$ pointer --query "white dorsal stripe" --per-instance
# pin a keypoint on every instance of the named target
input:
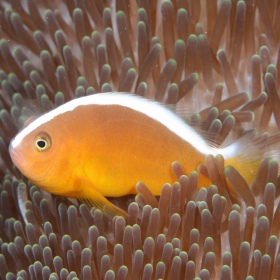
(149, 108)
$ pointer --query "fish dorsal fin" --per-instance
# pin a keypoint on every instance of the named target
(31, 110)
(184, 111)
(193, 119)
(89, 195)
(29, 120)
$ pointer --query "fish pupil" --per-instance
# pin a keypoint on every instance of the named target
(41, 144)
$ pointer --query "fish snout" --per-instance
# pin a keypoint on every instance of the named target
(17, 157)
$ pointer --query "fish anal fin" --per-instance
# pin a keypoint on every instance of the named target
(89, 195)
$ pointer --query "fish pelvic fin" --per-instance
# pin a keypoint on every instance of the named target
(89, 195)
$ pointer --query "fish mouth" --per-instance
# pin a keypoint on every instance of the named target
(18, 158)
(24, 164)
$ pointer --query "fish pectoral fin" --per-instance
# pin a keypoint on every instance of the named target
(89, 195)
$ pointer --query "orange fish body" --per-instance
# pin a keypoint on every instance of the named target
(122, 146)
(103, 144)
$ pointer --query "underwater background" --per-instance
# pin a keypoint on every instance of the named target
(219, 61)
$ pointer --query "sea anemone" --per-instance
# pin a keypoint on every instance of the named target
(216, 60)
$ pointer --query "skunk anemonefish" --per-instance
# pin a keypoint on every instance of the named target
(103, 144)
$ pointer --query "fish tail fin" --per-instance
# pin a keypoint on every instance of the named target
(272, 149)
(247, 153)
(89, 195)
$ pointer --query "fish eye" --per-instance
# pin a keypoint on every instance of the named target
(42, 142)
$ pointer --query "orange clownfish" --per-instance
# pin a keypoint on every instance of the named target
(103, 144)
